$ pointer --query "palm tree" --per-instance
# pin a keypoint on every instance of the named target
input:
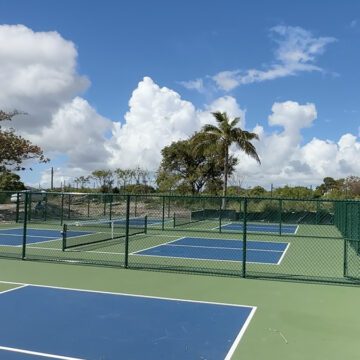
(223, 136)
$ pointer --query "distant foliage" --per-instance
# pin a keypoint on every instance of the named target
(10, 181)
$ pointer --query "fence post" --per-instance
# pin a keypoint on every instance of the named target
(17, 206)
(88, 206)
(45, 206)
(135, 207)
(69, 206)
(168, 212)
(244, 238)
(127, 231)
(280, 217)
(29, 204)
(240, 209)
(62, 209)
(220, 216)
(104, 200)
(345, 270)
(26, 199)
(163, 214)
(317, 212)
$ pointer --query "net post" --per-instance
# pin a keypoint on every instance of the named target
(64, 231)
(174, 220)
(127, 231)
(26, 199)
(112, 225)
(146, 224)
(110, 207)
(244, 238)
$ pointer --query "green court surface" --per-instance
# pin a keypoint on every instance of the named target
(293, 321)
(314, 252)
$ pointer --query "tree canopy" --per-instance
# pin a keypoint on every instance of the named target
(221, 136)
(189, 168)
(10, 181)
(14, 149)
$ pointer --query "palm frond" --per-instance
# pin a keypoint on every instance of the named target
(220, 117)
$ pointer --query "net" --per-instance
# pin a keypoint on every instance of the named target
(83, 233)
(189, 217)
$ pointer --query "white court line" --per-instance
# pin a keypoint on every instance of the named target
(8, 290)
(221, 247)
(121, 294)
(240, 335)
(69, 251)
(207, 259)
(28, 236)
(214, 238)
(283, 254)
(228, 356)
(50, 356)
(155, 246)
(218, 227)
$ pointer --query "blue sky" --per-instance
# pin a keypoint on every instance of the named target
(117, 44)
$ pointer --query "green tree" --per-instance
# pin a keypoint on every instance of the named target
(257, 191)
(329, 185)
(188, 167)
(82, 181)
(222, 136)
(14, 149)
(104, 178)
(10, 181)
(293, 192)
(124, 177)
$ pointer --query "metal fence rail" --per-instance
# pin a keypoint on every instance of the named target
(315, 240)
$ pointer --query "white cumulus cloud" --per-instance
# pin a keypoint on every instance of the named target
(37, 74)
(157, 116)
(284, 160)
(78, 131)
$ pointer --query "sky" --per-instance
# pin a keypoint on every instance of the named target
(108, 84)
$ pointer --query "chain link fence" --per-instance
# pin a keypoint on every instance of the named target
(315, 240)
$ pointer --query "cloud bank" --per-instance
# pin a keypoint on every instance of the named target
(38, 71)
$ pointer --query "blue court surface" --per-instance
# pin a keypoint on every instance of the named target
(271, 228)
(264, 252)
(55, 323)
(14, 237)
